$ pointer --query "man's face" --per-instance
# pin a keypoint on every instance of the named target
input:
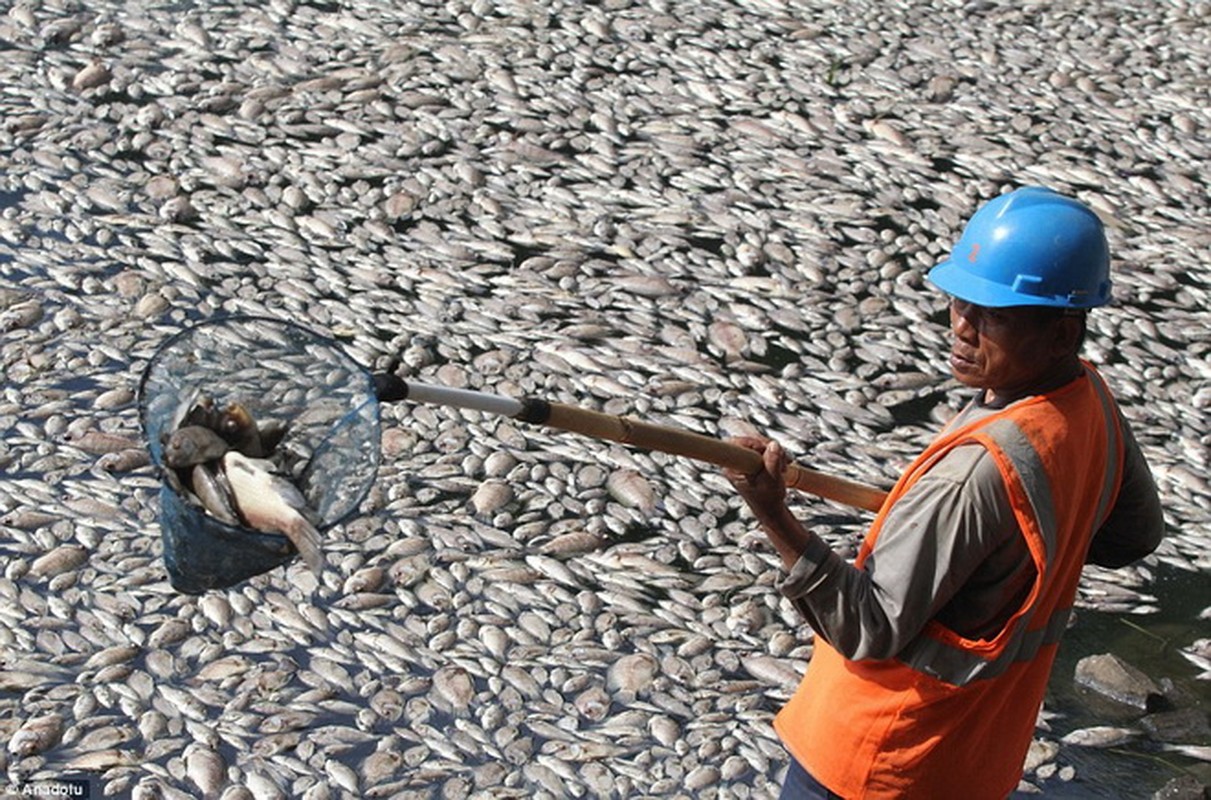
(1008, 351)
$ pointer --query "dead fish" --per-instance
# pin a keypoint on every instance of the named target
(1201, 752)
(214, 493)
(101, 761)
(631, 489)
(342, 775)
(37, 735)
(1098, 736)
(202, 411)
(27, 519)
(381, 765)
(124, 460)
(490, 497)
(113, 398)
(206, 770)
(775, 671)
(632, 673)
(223, 668)
(63, 558)
(100, 442)
(169, 632)
(593, 703)
(20, 681)
(118, 654)
(237, 426)
(573, 543)
(271, 433)
(193, 444)
(368, 579)
(728, 337)
(270, 503)
(92, 75)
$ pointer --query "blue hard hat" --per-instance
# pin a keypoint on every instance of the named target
(1030, 247)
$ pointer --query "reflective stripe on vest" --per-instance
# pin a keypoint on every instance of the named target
(1114, 445)
(958, 666)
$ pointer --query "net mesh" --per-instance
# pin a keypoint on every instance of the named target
(288, 378)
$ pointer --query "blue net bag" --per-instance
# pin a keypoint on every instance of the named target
(320, 405)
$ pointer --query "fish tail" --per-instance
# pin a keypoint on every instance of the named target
(306, 540)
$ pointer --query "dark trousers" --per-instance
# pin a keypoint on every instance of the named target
(800, 785)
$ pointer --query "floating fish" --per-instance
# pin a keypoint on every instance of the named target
(36, 735)
(1199, 751)
(1098, 736)
(100, 442)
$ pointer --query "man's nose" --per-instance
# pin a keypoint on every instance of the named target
(963, 319)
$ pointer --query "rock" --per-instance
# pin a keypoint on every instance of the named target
(1182, 726)
(1186, 787)
(1110, 677)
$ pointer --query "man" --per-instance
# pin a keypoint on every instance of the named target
(934, 648)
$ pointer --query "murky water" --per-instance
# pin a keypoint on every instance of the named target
(1139, 768)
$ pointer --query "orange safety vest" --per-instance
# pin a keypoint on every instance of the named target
(951, 717)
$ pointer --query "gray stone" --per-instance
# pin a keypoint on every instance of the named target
(1112, 678)
(1181, 726)
(1185, 787)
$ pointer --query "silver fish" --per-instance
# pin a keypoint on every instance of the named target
(36, 735)
(270, 503)
(1098, 736)
(214, 492)
(1201, 752)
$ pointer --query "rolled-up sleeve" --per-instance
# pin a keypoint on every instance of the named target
(811, 568)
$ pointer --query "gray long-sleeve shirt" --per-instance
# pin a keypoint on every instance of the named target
(950, 550)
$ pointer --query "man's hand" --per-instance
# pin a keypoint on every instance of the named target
(765, 489)
(765, 492)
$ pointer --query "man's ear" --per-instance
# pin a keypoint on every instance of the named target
(1070, 333)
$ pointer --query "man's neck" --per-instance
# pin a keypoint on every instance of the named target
(1063, 373)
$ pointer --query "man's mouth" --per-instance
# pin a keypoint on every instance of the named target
(960, 362)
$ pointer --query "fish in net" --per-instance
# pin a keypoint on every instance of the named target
(297, 418)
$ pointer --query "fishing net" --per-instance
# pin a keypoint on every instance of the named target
(291, 380)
